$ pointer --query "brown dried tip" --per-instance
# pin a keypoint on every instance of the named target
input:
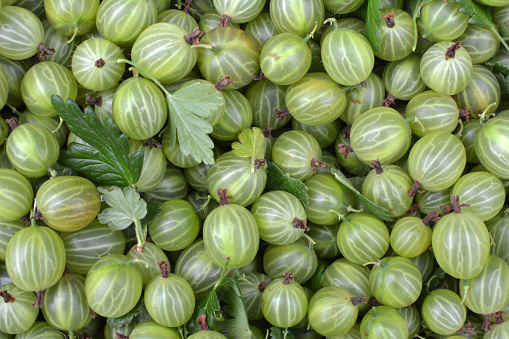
(433, 216)
(261, 76)
(315, 164)
(100, 63)
(164, 266)
(225, 81)
(187, 6)
(85, 336)
(7, 297)
(344, 149)
(267, 132)
(467, 329)
(465, 112)
(413, 208)
(90, 100)
(262, 285)
(486, 324)
(346, 132)
(38, 299)
(45, 50)
(34, 59)
(415, 189)
(259, 163)
(455, 206)
(139, 249)
(373, 302)
(194, 37)
(389, 20)
(498, 316)
(389, 101)
(151, 143)
(94, 315)
(12, 122)
(281, 115)
(121, 336)
(358, 300)
(377, 166)
(287, 278)
(26, 219)
(363, 84)
(66, 271)
(451, 51)
(202, 322)
(223, 198)
(225, 21)
(299, 223)
(38, 216)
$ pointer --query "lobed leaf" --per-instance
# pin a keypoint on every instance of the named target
(126, 207)
(127, 318)
(276, 180)
(479, 15)
(250, 144)
(279, 333)
(501, 72)
(188, 106)
(237, 324)
(154, 211)
(211, 308)
(376, 210)
(106, 160)
(374, 17)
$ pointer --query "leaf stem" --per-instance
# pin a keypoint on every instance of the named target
(139, 236)
(223, 273)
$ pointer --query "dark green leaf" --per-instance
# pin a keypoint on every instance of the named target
(188, 106)
(279, 333)
(65, 172)
(127, 318)
(503, 81)
(435, 278)
(374, 17)
(378, 211)
(211, 308)
(154, 211)
(107, 160)
(236, 325)
(276, 180)
(317, 279)
(501, 72)
(503, 29)
(416, 12)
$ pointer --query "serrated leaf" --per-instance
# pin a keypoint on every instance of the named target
(107, 159)
(479, 15)
(503, 81)
(501, 72)
(317, 279)
(127, 318)
(211, 308)
(250, 144)
(416, 13)
(279, 333)
(374, 17)
(188, 106)
(237, 324)
(276, 180)
(378, 211)
(126, 207)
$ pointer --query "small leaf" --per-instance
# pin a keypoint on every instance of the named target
(317, 279)
(276, 180)
(250, 144)
(437, 275)
(279, 333)
(127, 318)
(211, 308)
(126, 207)
(188, 106)
(106, 160)
(237, 324)
(374, 17)
(479, 15)
(378, 211)
(503, 81)
(501, 72)
(504, 30)
(416, 13)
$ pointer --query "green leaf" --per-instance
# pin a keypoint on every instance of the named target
(503, 81)
(154, 211)
(211, 308)
(416, 13)
(279, 333)
(501, 72)
(378, 211)
(236, 325)
(503, 29)
(250, 144)
(107, 160)
(127, 318)
(437, 275)
(276, 180)
(374, 17)
(188, 106)
(317, 279)
(126, 207)
(480, 15)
